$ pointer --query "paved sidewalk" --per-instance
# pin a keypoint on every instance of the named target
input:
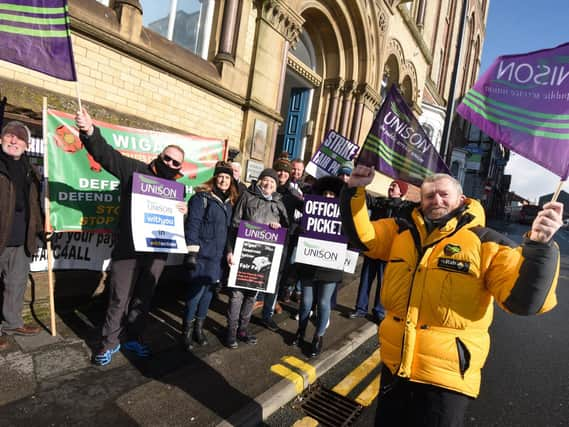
(50, 380)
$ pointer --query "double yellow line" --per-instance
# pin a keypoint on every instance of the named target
(297, 371)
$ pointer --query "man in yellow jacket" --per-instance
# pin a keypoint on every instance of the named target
(444, 270)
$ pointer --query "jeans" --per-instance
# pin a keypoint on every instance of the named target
(198, 299)
(324, 291)
(240, 309)
(269, 302)
(371, 269)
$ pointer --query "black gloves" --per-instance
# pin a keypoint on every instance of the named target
(191, 261)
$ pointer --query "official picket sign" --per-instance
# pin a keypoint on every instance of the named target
(257, 257)
(321, 242)
(157, 224)
(334, 150)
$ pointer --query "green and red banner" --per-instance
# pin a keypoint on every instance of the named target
(85, 197)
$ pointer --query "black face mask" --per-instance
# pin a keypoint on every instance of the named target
(165, 171)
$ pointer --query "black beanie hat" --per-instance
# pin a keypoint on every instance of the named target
(223, 167)
(271, 173)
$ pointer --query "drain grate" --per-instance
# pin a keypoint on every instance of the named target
(329, 408)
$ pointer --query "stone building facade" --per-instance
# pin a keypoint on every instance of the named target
(287, 69)
(225, 68)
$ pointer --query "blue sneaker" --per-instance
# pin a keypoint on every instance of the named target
(104, 357)
(137, 348)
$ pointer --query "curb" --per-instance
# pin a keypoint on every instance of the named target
(264, 405)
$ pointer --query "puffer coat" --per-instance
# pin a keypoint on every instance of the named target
(439, 288)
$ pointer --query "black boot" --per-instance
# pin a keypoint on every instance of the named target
(187, 336)
(231, 339)
(199, 335)
(299, 336)
(316, 346)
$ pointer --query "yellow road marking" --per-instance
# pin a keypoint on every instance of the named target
(358, 374)
(306, 422)
(290, 375)
(303, 366)
(367, 396)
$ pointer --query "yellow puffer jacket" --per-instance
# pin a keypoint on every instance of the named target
(438, 289)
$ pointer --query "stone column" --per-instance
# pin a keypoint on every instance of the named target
(333, 88)
(129, 13)
(347, 104)
(226, 51)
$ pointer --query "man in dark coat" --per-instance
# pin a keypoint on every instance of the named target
(134, 275)
(20, 225)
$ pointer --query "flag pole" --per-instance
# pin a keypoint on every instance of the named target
(78, 94)
(558, 191)
(48, 229)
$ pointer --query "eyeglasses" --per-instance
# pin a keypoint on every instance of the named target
(166, 158)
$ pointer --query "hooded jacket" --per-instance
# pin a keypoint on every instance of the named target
(438, 289)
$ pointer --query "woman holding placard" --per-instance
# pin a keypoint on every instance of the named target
(317, 282)
(210, 210)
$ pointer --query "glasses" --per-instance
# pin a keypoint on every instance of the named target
(166, 158)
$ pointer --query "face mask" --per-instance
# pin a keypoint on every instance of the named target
(165, 171)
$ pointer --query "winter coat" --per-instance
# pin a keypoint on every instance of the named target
(8, 207)
(438, 289)
(252, 206)
(206, 230)
(122, 168)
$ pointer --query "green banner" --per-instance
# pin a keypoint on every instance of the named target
(85, 197)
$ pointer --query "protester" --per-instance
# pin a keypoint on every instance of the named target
(20, 226)
(134, 275)
(345, 170)
(292, 200)
(445, 268)
(318, 283)
(209, 218)
(236, 168)
(262, 204)
(297, 175)
(379, 207)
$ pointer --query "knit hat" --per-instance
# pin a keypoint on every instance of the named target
(19, 129)
(327, 183)
(282, 163)
(403, 186)
(346, 168)
(271, 173)
(223, 167)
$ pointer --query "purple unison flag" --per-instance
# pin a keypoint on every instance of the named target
(36, 35)
(522, 102)
(397, 144)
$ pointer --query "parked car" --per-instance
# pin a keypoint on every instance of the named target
(528, 213)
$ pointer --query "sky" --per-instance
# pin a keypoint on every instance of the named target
(521, 26)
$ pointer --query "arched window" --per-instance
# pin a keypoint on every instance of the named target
(304, 51)
(187, 23)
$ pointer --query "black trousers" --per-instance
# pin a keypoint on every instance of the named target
(409, 404)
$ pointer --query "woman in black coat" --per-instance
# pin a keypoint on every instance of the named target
(210, 210)
(318, 282)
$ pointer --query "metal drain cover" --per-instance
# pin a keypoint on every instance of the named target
(329, 408)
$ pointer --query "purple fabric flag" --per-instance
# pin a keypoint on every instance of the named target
(522, 102)
(397, 144)
(36, 35)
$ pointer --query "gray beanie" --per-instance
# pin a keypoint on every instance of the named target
(271, 173)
